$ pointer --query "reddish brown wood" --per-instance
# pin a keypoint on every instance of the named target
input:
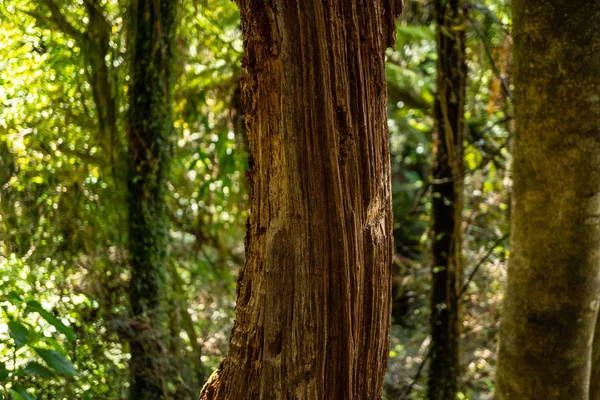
(313, 310)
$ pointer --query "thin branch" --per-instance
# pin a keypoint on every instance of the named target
(60, 21)
(417, 375)
(485, 10)
(490, 57)
(479, 264)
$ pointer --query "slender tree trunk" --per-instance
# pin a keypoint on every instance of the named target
(95, 45)
(313, 306)
(150, 129)
(98, 46)
(447, 199)
(552, 296)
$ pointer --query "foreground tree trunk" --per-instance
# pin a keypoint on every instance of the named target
(447, 199)
(313, 306)
(552, 297)
(150, 127)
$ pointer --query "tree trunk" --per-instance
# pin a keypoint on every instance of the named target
(313, 306)
(447, 199)
(95, 45)
(150, 129)
(98, 41)
(553, 289)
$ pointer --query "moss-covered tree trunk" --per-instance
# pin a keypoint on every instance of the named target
(150, 128)
(447, 201)
(313, 305)
(553, 289)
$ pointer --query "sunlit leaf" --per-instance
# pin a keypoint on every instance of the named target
(34, 306)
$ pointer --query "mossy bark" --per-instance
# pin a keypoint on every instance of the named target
(150, 130)
(313, 301)
(551, 299)
(447, 199)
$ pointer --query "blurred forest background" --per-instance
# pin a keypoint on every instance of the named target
(64, 271)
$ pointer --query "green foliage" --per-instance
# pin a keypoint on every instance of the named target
(34, 306)
(28, 333)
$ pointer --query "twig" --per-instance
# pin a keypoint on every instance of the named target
(417, 376)
(479, 264)
(495, 69)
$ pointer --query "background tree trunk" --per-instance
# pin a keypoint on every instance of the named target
(313, 306)
(150, 129)
(447, 199)
(551, 300)
(98, 47)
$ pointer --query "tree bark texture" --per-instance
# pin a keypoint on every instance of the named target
(552, 296)
(313, 305)
(150, 129)
(447, 201)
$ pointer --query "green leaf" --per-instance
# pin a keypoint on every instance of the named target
(55, 345)
(418, 32)
(34, 306)
(37, 369)
(19, 333)
(61, 364)
(3, 372)
(21, 392)
(14, 297)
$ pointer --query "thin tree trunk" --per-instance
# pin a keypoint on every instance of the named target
(447, 199)
(150, 129)
(313, 306)
(98, 40)
(552, 296)
(95, 45)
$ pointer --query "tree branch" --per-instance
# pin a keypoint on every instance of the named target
(488, 53)
(480, 263)
(59, 20)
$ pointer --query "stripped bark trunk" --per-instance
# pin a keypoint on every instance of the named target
(447, 200)
(150, 130)
(313, 305)
(552, 296)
